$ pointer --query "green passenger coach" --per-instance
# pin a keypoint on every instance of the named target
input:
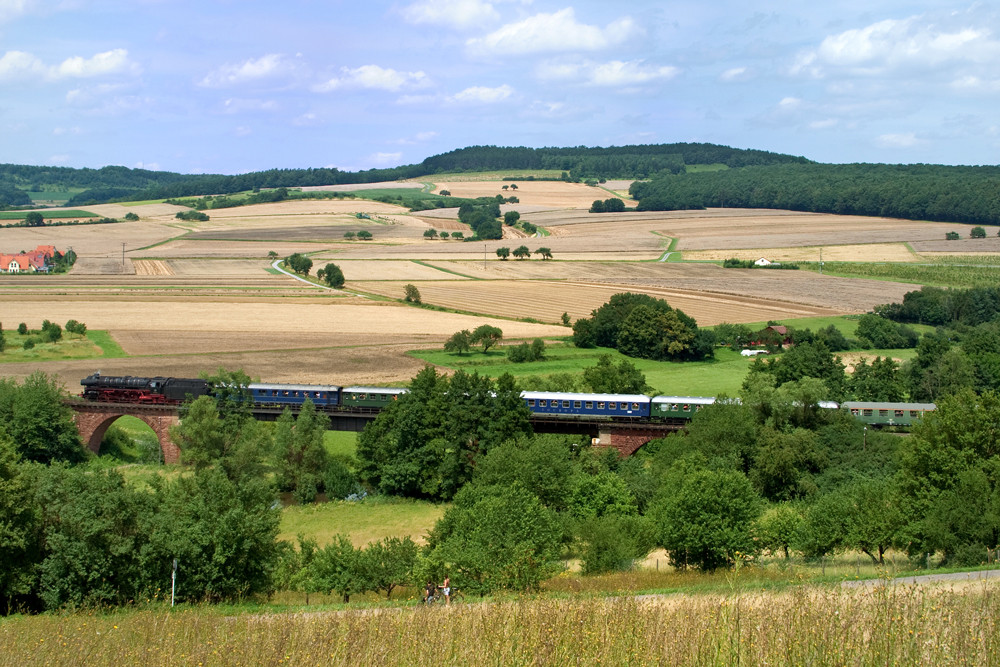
(888, 414)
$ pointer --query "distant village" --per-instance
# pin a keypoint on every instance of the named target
(40, 260)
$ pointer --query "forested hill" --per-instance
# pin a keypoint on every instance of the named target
(914, 192)
(110, 183)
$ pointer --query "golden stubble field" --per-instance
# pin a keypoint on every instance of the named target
(191, 296)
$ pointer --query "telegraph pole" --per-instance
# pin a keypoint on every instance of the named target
(123, 255)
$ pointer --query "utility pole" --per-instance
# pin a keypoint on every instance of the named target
(484, 255)
(821, 260)
(123, 255)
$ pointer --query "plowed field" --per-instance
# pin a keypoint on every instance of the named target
(547, 301)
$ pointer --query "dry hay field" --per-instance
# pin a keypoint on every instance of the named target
(844, 295)
(302, 340)
(387, 269)
(873, 252)
(196, 295)
(549, 194)
(548, 300)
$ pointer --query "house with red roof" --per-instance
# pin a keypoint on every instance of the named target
(38, 260)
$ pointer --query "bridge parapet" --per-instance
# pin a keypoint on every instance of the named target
(628, 439)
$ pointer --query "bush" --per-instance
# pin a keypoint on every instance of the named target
(22, 329)
(339, 481)
(952, 236)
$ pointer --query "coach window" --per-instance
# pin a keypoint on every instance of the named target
(612, 405)
(590, 405)
(600, 405)
(899, 413)
(855, 412)
(576, 404)
(566, 404)
(883, 413)
(635, 406)
(687, 408)
(914, 413)
(676, 407)
(531, 402)
(362, 397)
(867, 412)
(541, 402)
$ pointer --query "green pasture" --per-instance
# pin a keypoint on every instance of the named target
(950, 273)
(723, 374)
(363, 521)
(341, 444)
(61, 215)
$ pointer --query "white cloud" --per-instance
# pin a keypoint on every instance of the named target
(11, 9)
(375, 77)
(108, 62)
(916, 43)
(63, 131)
(419, 137)
(557, 32)
(272, 65)
(613, 73)
(735, 74)
(18, 65)
(384, 159)
(618, 73)
(824, 124)
(239, 105)
(482, 95)
(456, 13)
(59, 159)
(903, 140)
(15, 65)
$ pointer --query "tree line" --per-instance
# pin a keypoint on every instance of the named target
(914, 192)
(110, 183)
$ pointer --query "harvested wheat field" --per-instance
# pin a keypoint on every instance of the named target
(844, 295)
(551, 194)
(386, 269)
(547, 301)
(288, 316)
(873, 252)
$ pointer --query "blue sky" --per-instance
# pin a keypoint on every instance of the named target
(230, 86)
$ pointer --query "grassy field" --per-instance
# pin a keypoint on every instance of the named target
(723, 374)
(72, 346)
(807, 625)
(365, 521)
(62, 214)
(945, 274)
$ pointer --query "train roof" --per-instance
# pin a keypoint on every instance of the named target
(569, 396)
(876, 405)
(697, 400)
(292, 387)
(383, 390)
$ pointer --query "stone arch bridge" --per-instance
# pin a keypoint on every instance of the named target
(94, 418)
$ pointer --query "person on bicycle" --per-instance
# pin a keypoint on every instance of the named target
(429, 590)
(446, 590)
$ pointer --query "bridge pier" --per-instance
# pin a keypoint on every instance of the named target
(626, 439)
(93, 422)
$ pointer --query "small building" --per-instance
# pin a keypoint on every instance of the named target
(38, 260)
(763, 261)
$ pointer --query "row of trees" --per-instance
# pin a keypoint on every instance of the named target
(522, 252)
(914, 192)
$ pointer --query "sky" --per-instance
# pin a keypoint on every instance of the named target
(233, 86)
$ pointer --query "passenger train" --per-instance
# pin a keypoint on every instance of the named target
(543, 404)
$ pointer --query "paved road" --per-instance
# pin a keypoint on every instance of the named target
(978, 575)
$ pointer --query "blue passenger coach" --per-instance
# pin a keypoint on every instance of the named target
(292, 395)
(586, 405)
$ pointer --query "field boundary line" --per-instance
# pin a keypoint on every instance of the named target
(274, 265)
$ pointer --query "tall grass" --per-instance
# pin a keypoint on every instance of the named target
(882, 625)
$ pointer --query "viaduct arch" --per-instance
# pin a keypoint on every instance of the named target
(93, 420)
